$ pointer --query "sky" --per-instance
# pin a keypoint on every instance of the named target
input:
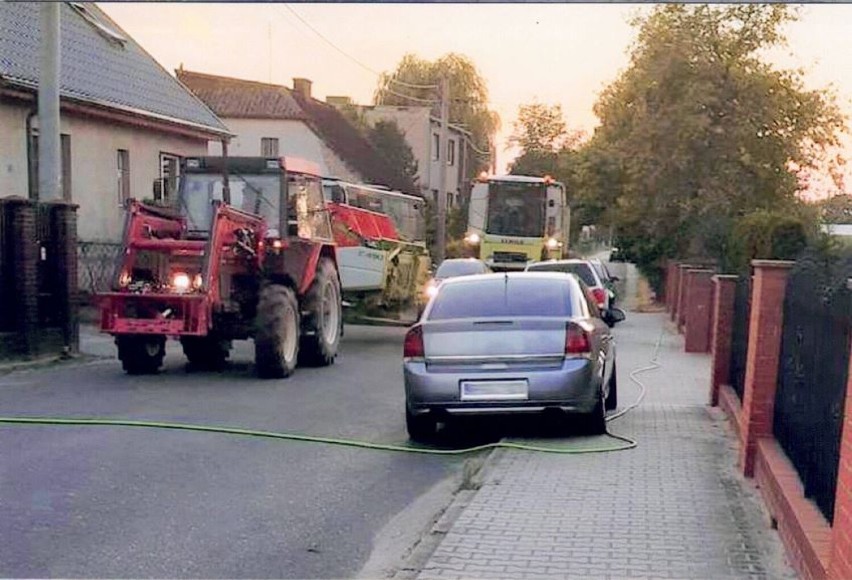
(555, 54)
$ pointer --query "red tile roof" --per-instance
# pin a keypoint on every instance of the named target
(236, 98)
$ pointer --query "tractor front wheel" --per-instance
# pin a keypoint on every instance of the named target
(276, 342)
(324, 323)
(206, 352)
(141, 354)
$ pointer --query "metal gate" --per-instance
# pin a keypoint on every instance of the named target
(739, 335)
(812, 373)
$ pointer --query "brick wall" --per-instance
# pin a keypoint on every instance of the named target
(24, 337)
(813, 547)
(841, 556)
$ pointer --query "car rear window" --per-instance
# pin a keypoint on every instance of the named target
(584, 271)
(451, 269)
(501, 297)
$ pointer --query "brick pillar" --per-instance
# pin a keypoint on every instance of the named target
(683, 298)
(764, 351)
(671, 270)
(724, 290)
(841, 529)
(678, 290)
(699, 311)
(25, 260)
(63, 216)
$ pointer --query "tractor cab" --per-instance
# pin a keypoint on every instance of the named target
(281, 191)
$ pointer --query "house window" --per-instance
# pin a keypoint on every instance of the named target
(123, 175)
(451, 152)
(449, 199)
(268, 147)
(32, 163)
(169, 171)
(436, 146)
(435, 195)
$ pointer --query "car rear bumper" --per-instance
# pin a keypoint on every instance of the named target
(574, 387)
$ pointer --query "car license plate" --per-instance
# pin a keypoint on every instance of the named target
(494, 391)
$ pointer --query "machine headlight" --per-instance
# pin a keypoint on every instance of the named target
(431, 289)
(197, 280)
(552, 243)
(180, 281)
(472, 239)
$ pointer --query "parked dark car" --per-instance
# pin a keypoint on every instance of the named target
(453, 268)
(509, 343)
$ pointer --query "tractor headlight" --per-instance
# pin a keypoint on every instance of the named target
(180, 281)
(472, 239)
(197, 280)
(552, 243)
(431, 289)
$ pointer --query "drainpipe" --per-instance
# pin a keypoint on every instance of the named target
(32, 175)
(226, 187)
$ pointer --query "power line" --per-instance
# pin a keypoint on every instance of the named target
(352, 58)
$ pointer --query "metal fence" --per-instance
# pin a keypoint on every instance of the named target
(809, 401)
(739, 335)
(96, 265)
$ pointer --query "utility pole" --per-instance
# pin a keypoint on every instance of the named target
(443, 143)
(49, 149)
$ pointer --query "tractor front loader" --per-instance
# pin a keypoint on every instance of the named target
(246, 252)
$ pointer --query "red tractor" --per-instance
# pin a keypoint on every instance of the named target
(247, 252)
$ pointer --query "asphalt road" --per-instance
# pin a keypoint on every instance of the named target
(125, 502)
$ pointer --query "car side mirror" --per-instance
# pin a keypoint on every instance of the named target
(615, 278)
(613, 316)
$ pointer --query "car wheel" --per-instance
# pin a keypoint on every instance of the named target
(612, 397)
(597, 418)
(421, 428)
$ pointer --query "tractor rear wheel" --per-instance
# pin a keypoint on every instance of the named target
(324, 323)
(206, 352)
(141, 354)
(276, 342)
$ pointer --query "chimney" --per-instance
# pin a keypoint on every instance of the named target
(339, 101)
(302, 87)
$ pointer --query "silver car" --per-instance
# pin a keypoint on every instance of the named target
(509, 343)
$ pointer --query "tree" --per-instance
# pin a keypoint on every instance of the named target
(699, 131)
(544, 139)
(468, 96)
(390, 143)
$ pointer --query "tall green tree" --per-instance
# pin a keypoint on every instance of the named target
(541, 134)
(390, 143)
(468, 96)
(699, 130)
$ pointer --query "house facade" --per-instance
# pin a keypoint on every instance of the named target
(276, 121)
(125, 122)
(423, 134)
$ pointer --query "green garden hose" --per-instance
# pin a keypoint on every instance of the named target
(627, 443)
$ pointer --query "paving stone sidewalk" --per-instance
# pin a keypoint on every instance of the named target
(672, 508)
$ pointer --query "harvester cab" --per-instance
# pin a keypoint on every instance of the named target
(245, 251)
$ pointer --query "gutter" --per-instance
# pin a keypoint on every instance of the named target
(11, 81)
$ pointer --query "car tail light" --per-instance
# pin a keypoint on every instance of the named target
(577, 340)
(600, 296)
(413, 345)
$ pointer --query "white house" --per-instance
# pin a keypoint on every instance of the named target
(125, 121)
(273, 120)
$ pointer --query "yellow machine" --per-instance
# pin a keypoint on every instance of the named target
(517, 219)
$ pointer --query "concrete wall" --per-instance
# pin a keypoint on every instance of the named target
(94, 165)
(295, 139)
